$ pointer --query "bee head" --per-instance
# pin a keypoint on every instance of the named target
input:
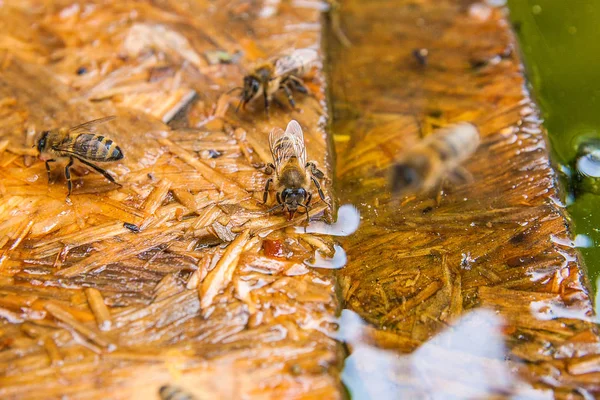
(251, 88)
(404, 178)
(41, 144)
(292, 198)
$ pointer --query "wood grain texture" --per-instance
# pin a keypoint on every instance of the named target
(90, 308)
(500, 242)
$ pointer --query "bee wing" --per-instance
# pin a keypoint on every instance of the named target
(87, 127)
(301, 60)
(287, 144)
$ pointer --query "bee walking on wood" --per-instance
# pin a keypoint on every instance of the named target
(284, 73)
(79, 142)
(170, 392)
(293, 175)
(424, 166)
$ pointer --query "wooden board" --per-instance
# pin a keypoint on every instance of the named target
(500, 242)
(90, 309)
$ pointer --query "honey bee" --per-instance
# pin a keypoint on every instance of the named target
(171, 392)
(283, 73)
(424, 166)
(78, 142)
(293, 175)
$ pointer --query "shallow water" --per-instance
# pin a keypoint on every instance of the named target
(419, 265)
(559, 42)
(465, 361)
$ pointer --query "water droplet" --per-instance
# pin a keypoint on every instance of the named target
(347, 223)
(536, 9)
(583, 241)
(589, 164)
(336, 262)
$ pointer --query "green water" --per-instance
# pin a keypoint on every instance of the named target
(561, 47)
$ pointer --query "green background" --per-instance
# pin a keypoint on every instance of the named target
(560, 42)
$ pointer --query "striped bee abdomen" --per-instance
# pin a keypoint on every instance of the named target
(170, 392)
(97, 148)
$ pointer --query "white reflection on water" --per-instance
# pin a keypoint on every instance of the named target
(546, 310)
(347, 223)
(583, 241)
(589, 163)
(336, 262)
(466, 361)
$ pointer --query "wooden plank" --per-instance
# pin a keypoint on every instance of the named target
(135, 259)
(414, 267)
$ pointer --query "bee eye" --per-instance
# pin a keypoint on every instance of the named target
(255, 86)
(285, 193)
(42, 142)
(403, 176)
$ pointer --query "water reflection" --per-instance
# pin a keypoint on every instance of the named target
(583, 241)
(587, 167)
(580, 241)
(336, 262)
(465, 361)
(546, 310)
(588, 158)
(348, 220)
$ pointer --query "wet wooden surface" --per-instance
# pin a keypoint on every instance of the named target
(198, 297)
(500, 242)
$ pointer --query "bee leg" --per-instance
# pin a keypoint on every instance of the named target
(440, 191)
(68, 175)
(298, 84)
(48, 168)
(290, 98)
(242, 104)
(266, 99)
(269, 169)
(100, 170)
(266, 192)
(318, 186)
(461, 175)
(270, 210)
(279, 204)
(307, 207)
(316, 172)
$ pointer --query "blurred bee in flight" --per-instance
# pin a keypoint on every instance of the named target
(79, 142)
(293, 175)
(170, 392)
(283, 73)
(424, 166)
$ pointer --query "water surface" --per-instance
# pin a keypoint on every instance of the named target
(559, 41)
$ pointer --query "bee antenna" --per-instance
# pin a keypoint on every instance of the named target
(274, 208)
(235, 88)
(239, 104)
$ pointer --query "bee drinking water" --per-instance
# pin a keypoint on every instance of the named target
(293, 175)
(283, 73)
(79, 142)
(424, 166)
